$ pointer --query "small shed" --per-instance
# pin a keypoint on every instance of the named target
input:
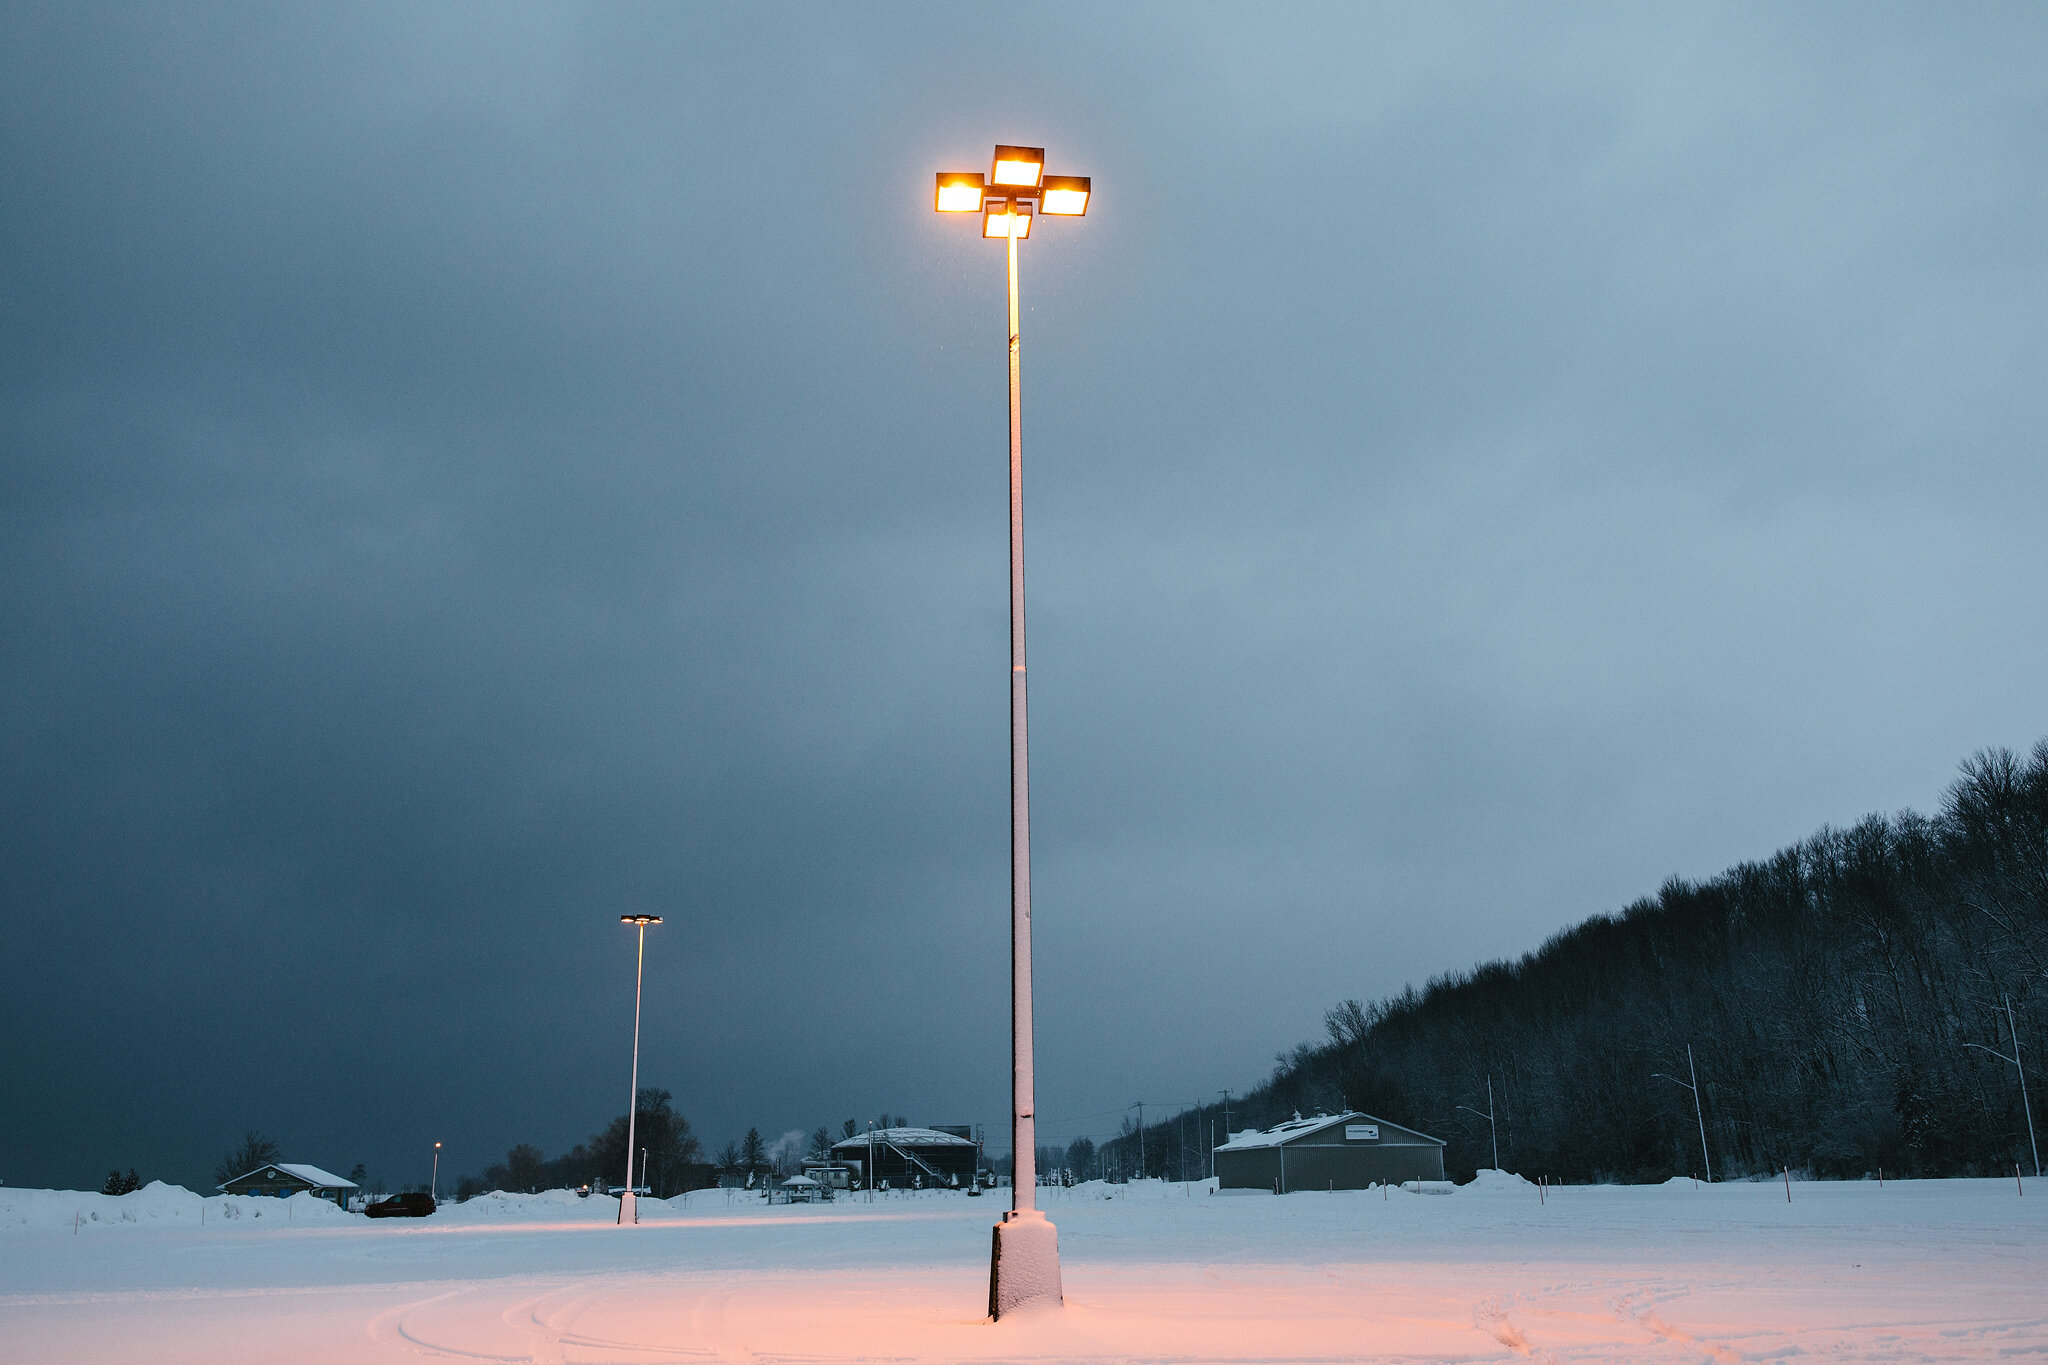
(1328, 1152)
(282, 1179)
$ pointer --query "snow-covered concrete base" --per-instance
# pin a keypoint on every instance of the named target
(1497, 1271)
(1023, 1264)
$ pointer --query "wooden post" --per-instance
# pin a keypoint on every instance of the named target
(1788, 1184)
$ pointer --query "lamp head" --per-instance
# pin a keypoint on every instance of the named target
(642, 920)
(1002, 218)
(1017, 167)
(1065, 196)
(959, 192)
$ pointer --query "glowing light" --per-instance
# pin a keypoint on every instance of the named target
(1005, 218)
(958, 192)
(1018, 166)
(1065, 195)
(639, 919)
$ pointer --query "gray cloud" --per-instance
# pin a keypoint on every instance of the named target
(469, 471)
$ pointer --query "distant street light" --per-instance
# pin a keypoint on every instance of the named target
(1697, 1111)
(1488, 1116)
(434, 1183)
(2015, 1060)
(1024, 1267)
(629, 1203)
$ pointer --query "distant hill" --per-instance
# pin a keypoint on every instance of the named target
(1828, 995)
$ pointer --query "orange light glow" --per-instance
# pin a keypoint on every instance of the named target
(1065, 195)
(1003, 219)
(958, 192)
(1020, 166)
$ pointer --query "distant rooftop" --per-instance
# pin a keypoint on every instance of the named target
(904, 1137)
(312, 1175)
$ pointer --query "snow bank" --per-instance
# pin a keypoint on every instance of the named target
(559, 1206)
(155, 1204)
(1490, 1181)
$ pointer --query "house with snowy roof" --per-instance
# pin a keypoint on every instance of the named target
(282, 1179)
(1349, 1151)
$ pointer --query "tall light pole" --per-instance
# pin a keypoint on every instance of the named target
(1697, 1112)
(2013, 1028)
(629, 1203)
(434, 1182)
(1024, 1259)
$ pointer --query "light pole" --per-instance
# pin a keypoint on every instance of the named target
(629, 1204)
(1024, 1259)
(434, 1181)
(1697, 1111)
(2015, 1060)
(1488, 1116)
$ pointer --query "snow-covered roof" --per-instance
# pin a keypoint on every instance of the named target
(904, 1137)
(1282, 1133)
(312, 1175)
(799, 1180)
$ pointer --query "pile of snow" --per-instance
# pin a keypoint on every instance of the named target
(1490, 1181)
(156, 1204)
(557, 1206)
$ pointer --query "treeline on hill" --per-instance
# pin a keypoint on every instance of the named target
(673, 1160)
(1845, 1003)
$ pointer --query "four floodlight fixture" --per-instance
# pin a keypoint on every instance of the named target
(1014, 190)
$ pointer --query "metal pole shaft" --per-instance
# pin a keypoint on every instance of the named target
(633, 1099)
(1491, 1127)
(2014, 1029)
(1699, 1113)
(1023, 1124)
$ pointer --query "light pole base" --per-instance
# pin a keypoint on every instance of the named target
(629, 1208)
(1024, 1264)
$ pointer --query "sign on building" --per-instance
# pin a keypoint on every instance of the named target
(1361, 1132)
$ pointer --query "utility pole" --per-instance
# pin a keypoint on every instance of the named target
(1226, 1130)
(1140, 1106)
(2018, 1066)
(1698, 1112)
(1488, 1116)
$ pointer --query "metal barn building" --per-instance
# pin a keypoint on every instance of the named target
(907, 1157)
(1340, 1152)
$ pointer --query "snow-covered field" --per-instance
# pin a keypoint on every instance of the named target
(1933, 1271)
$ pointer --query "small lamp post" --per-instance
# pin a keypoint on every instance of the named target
(629, 1203)
(1700, 1114)
(1492, 1129)
(1024, 1260)
(434, 1181)
(2020, 1067)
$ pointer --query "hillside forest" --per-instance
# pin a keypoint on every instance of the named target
(1843, 1004)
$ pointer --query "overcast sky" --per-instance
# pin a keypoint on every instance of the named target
(469, 472)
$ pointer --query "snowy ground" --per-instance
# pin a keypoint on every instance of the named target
(1935, 1271)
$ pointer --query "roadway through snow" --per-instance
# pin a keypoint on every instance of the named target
(1933, 1271)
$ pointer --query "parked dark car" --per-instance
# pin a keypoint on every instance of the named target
(414, 1205)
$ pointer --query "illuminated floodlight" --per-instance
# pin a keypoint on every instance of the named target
(1064, 195)
(959, 192)
(1006, 218)
(640, 919)
(1018, 167)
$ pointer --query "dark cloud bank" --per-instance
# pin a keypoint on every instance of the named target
(467, 472)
